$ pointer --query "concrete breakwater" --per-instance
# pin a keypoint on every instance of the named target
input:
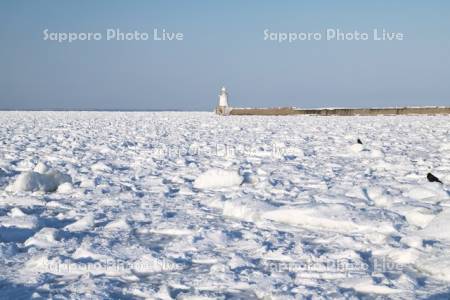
(285, 111)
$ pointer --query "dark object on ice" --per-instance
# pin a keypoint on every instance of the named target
(432, 178)
(359, 141)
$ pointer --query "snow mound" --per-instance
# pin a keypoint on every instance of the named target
(355, 148)
(148, 264)
(64, 267)
(445, 147)
(217, 178)
(101, 167)
(41, 168)
(417, 216)
(45, 238)
(437, 266)
(379, 196)
(327, 217)
(429, 190)
(118, 225)
(366, 152)
(294, 152)
(85, 251)
(172, 231)
(367, 286)
(404, 256)
(438, 227)
(65, 188)
(245, 209)
(85, 223)
(18, 219)
(34, 181)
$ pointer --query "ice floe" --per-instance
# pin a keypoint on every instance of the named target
(175, 205)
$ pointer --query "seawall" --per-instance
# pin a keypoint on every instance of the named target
(285, 111)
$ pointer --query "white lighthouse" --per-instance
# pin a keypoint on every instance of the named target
(223, 97)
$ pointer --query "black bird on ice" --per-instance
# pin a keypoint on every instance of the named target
(432, 178)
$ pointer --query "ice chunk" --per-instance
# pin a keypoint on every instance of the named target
(85, 251)
(218, 178)
(34, 181)
(18, 219)
(429, 190)
(356, 148)
(85, 223)
(246, 209)
(172, 231)
(417, 216)
(45, 238)
(101, 167)
(148, 264)
(65, 188)
(41, 168)
(118, 225)
(438, 266)
(367, 286)
(330, 217)
(379, 197)
(438, 227)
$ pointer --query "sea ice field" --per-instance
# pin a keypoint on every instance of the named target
(191, 205)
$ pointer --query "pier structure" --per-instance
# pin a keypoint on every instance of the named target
(224, 109)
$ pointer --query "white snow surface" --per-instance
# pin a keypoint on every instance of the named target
(178, 205)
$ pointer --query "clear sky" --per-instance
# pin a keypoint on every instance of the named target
(223, 44)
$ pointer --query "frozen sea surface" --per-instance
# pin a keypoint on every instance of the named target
(177, 205)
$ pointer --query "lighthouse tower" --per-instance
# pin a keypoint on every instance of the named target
(223, 97)
(223, 108)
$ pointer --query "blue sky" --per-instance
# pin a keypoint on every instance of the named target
(223, 45)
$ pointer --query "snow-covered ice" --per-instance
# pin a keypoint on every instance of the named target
(217, 178)
(173, 205)
(34, 181)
